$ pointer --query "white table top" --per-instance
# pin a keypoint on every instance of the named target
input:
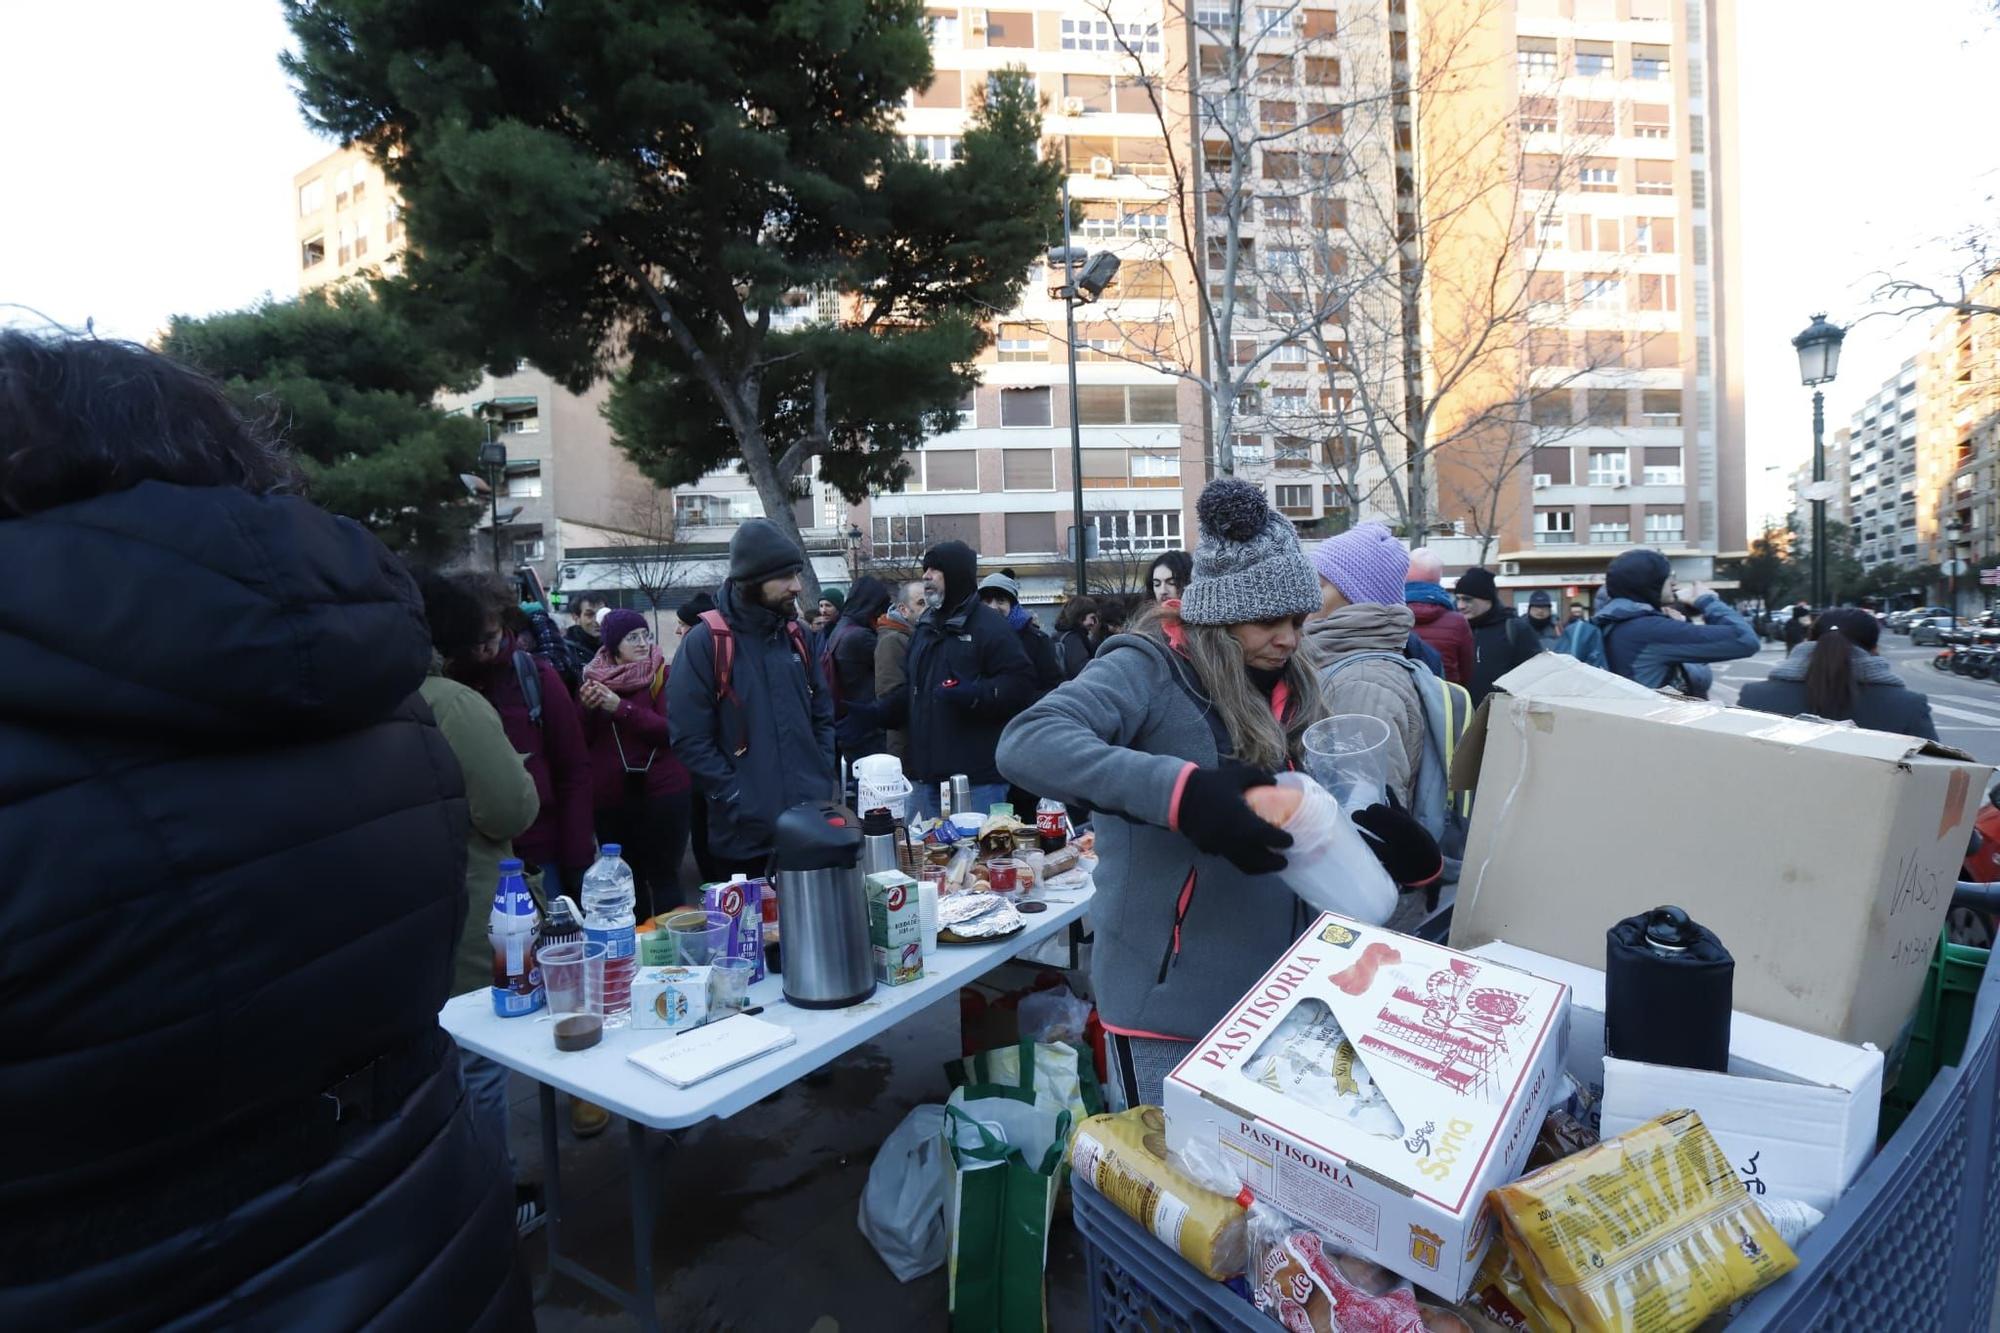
(603, 1074)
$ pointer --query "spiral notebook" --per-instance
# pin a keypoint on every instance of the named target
(687, 1058)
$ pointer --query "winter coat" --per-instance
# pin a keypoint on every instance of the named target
(892, 656)
(1417, 650)
(850, 652)
(1501, 641)
(1884, 703)
(1649, 646)
(582, 645)
(235, 843)
(1445, 629)
(623, 740)
(973, 645)
(757, 759)
(1374, 687)
(499, 797)
(1579, 639)
(1042, 655)
(1073, 646)
(1181, 935)
(564, 833)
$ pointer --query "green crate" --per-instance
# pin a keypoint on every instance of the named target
(1937, 1038)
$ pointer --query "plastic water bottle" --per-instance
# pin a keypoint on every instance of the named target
(510, 929)
(608, 920)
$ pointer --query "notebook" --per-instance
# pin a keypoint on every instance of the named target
(706, 1051)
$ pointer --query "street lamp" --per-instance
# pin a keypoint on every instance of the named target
(1084, 279)
(1819, 359)
(1954, 535)
(493, 458)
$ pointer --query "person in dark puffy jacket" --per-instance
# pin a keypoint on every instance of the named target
(1002, 593)
(235, 844)
(847, 660)
(1644, 643)
(1501, 640)
(1839, 676)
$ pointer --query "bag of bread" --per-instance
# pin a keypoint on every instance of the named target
(1309, 1285)
(1124, 1157)
(1649, 1232)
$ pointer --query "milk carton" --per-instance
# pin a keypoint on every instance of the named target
(741, 900)
(674, 998)
(895, 927)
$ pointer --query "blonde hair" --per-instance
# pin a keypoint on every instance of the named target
(1256, 737)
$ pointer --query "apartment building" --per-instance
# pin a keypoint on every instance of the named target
(1624, 111)
(1961, 429)
(349, 221)
(1884, 504)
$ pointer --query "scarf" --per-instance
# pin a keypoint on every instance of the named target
(1018, 617)
(1433, 593)
(625, 678)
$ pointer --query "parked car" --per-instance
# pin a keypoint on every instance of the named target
(1928, 630)
(1904, 621)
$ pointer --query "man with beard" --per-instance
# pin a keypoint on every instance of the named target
(751, 716)
(1501, 640)
(967, 677)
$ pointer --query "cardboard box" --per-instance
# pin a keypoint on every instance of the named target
(1824, 856)
(1796, 1113)
(674, 998)
(1466, 1053)
(895, 927)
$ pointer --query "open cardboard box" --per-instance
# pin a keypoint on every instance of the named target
(1467, 1054)
(1823, 855)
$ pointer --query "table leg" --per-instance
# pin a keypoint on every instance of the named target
(551, 1189)
(1075, 943)
(645, 1173)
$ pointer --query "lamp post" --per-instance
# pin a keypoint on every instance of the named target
(1954, 534)
(1085, 276)
(493, 458)
(1819, 358)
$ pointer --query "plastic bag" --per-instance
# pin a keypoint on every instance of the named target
(903, 1203)
(1124, 1157)
(1054, 1015)
(1329, 865)
(1309, 1059)
(1310, 1285)
(1649, 1232)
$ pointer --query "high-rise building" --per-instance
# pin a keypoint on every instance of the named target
(1883, 503)
(1960, 472)
(349, 220)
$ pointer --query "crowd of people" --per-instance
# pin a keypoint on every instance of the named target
(273, 744)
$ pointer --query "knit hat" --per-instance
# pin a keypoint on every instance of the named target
(615, 625)
(834, 595)
(1540, 598)
(690, 611)
(759, 551)
(959, 564)
(1248, 565)
(1001, 583)
(1366, 563)
(1477, 582)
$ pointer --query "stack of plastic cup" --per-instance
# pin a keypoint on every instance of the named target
(1349, 756)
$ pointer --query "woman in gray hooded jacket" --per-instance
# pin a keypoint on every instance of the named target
(1162, 735)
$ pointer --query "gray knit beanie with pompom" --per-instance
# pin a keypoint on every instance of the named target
(1247, 565)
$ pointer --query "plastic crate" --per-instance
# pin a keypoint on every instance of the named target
(1937, 1037)
(1913, 1244)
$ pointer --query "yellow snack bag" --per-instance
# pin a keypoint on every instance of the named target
(1124, 1157)
(1650, 1232)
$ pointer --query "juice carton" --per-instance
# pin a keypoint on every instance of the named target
(895, 927)
(741, 900)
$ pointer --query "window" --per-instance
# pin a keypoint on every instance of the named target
(1554, 464)
(968, 410)
(1142, 157)
(898, 538)
(1535, 57)
(946, 90)
(526, 552)
(1276, 19)
(1550, 409)
(1133, 95)
(935, 148)
(1604, 407)
(1329, 214)
(1022, 342)
(392, 221)
(312, 196)
(1138, 530)
(1277, 116)
(312, 251)
(1086, 93)
(1295, 501)
(1538, 115)
(1597, 120)
(1650, 62)
(1593, 59)
(1247, 448)
(943, 29)
(1025, 407)
(360, 240)
(995, 81)
(360, 189)
(1289, 402)
(1610, 467)
(1282, 209)
(1276, 69)
(1610, 527)
(1598, 175)
(1280, 166)
(341, 179)
(1125, 404)
(1657, 292)
(943, 471)
(1031, 534)
(1017, 28)
(523, 482)
(1027, 470)
(1555, 527)
(1603, 292)
(1661, 351)
(1322, 72)
(1291, 451)
(1662, 467)
(1651, 122)
(1548, 347)
(1145, 279)
(522, 420)
(1661, 407)
(1653, 177)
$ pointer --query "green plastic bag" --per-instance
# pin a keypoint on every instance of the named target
(1056, 1068)
(1008, 1155)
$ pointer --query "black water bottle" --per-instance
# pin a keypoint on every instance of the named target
(1668, 985)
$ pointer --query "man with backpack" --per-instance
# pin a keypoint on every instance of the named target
(750, 714)
(1644, 643)
(1501, 640)
(1579, 638)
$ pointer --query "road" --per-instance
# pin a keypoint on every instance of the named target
(1967, 712)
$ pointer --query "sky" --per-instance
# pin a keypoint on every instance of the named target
(152, 175)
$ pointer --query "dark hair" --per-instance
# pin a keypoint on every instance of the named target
(1074, 612)
(457, 609)
(83, 417)
(1831, 687)
(587, 599)
(1179, 562)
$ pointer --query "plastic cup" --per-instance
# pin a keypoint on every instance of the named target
(729, 983)
(929, 886)
(573, 977)
(1349, 756)
(698, 937)
(1004, 874)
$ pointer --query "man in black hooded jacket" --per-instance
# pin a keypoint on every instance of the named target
(968, 676)
(847, 660)
(1501, 640)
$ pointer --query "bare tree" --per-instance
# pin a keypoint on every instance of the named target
(650, 551)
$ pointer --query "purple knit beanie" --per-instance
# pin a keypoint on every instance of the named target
(1366, 563)
(613, 626)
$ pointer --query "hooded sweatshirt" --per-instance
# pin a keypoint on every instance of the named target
(1643, 643)
(1373, 686)
(849, 665)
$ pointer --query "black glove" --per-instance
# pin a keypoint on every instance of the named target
(1406, 851)
(1216, 818)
